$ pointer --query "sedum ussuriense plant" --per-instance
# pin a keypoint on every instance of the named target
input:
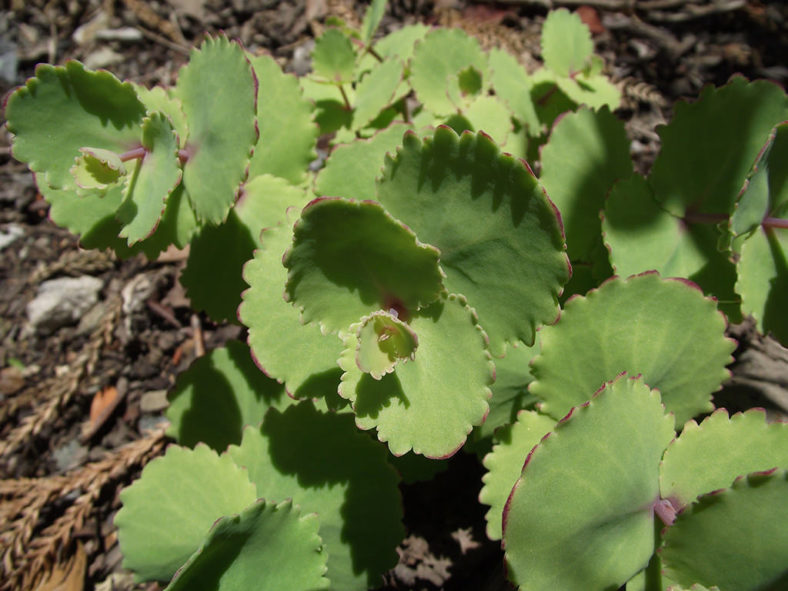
(421, 291)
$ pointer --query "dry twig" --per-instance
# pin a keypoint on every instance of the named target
(28, 553)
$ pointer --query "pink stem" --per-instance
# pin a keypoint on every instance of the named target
(133, 154)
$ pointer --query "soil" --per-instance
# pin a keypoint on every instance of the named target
(81, 407)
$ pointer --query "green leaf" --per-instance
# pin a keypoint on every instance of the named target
(220, 252)
(437, 61)
(488, 114)
(333, 58)
(327, 466)
(96, 168)
(641, 235)
(594, 91)
(376, 91)
(763, 246)
(587, 152)
(265, 546)
(581, 514)
(663, 329)
(734, 538)
(288, 133)
(159, 100)
(67, 108)
(90, 216)
(275, 329)
(177, 225)
(513, 86)
(372, 17)
(156, 174)
(350, 258)
(510, 389)
(505, 463)
(191, 489)
(711, 456)
(217, 88)
(402, 42)
(702, 164)
(432, 402)
(498, 235)
(219, 395)
(383, 340)
(566, 43)
(352, 169)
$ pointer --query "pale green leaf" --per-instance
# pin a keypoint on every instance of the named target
(587, 153)
(333, 58)
(265, 546)
(566, 43)
(505, 462)
(327, 466)
(710, 456)
(383, 340)
(191, 489)
(594, 91)
(96, 168)
(160, 100)
(488, 114)
(352, 169)
(581, 514)
(436, 62)
(734, 538)
(220, 394)
(663, 329)
(702, 164)
(217, 90)
(63, 109)
(376, 91)
(372, 17)
(513, 86)
(351, 258)
(288, 134)
(431, 403)
(154, 177)
(296, 354)
(498, 235)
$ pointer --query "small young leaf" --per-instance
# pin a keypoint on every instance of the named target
(288, 133)
(430, 403)
(383, 340)
(96, 168)
(566, 43)
(711, 456)
(350, 258)
(376, 91)
(217, 89)
(352, 169)
(333, 58)
(594, 91)
(219, 395)
(489, 115)
(156, 174)
(177, 225)
(595, 529)
(326, 465)
(663, 329)
(587, 152)
(275, 328)
(372, 17)
(438, 59)
(505, 463)
(499, 237)
(733, 538)
(67, 108)
(159, 100)
(265, 546)
(192, 489)
(513, 86)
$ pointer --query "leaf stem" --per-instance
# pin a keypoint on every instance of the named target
(716, 218)
(133, 154)
(543, 99)
(374, 54)
(775, 223)
(344, 98)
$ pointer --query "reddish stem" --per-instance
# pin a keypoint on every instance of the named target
(133, 154)
(716, 218)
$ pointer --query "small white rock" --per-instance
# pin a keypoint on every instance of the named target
(62, 301)
(10, 233)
